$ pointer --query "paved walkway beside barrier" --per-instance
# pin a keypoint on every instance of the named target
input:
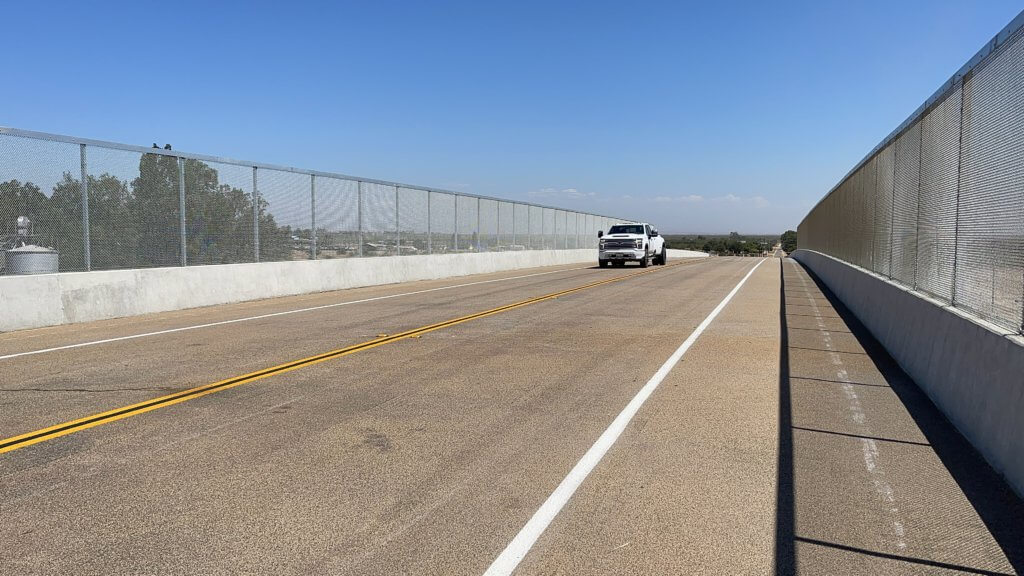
(872, 478)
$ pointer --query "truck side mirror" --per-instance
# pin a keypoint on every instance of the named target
(600, 233)
(654, 233)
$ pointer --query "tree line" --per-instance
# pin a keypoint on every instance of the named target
(137, 223)
(733, 244)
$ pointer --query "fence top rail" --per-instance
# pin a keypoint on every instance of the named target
(948, 86)
(4, 130)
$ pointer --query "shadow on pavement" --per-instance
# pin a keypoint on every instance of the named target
(785, 507)
(1001, 511)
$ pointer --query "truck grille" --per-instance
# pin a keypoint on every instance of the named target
(628, 243)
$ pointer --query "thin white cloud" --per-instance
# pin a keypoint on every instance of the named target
(755, 201)
(687, 199)
(570, 193)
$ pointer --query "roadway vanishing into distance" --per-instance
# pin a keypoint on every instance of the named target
(419, 428)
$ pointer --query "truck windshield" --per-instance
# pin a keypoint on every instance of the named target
(626, 229)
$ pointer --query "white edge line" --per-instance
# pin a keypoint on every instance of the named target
(283, 313)
(514, 553)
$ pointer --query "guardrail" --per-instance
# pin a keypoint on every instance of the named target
(938, 206)
(104, 206)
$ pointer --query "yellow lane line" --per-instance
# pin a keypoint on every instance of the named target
(70, 427)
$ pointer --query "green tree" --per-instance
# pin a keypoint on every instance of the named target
(62, 224)
(788, 240)
(218, 218)
(17, 199)
(153, 212)
(112, 242)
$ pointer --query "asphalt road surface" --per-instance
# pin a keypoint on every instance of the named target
(419, 428)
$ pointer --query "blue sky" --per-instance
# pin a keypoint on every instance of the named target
(698, 117)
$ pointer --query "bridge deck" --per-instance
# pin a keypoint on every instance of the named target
(783, 440)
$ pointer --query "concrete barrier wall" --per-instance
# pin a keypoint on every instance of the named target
(686, 254)
(972, 370)
(51, 299)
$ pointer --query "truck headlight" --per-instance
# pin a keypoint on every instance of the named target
(601, 244)
(639, 243)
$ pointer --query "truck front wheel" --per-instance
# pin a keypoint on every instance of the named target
(602, 263)
(647, 257)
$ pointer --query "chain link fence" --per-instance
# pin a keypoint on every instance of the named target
(105, 206)
(938, 206)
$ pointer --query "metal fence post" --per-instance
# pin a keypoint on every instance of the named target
(181, 210)
(479, 231)
(917, 216)
(430, 246)
(359, 215)
(456, 237)
(959, 183)
(543, 237)
(529, 227)
(84, 188)
(874, 218)
(497, 228)
(892, 208)
(513, 226)
(398, 230)
(255, 217)
(312, 215)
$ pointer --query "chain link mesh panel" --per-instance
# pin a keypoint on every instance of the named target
(882, 241)
(865, 201)
(940, 163)
(905, 197)
(467, 223)
(990, 230)
(536, 220)
(547, 227)
(412, 221)
(218, 213)
(506, 225)
(522, 229)
(488, 225)
(337, 218)
(41, 180)
(380, 219)
(561, 230)
(285, 215)
(143, 228)
(442, 222)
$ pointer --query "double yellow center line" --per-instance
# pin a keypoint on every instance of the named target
(56, 431)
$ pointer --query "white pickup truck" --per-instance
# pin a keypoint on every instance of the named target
(631, 243)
